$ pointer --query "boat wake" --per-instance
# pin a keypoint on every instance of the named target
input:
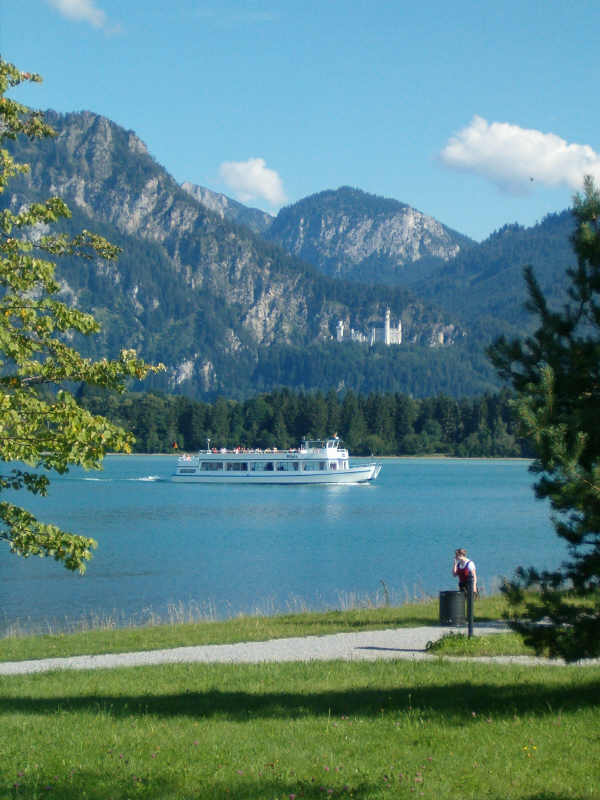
(137, 479)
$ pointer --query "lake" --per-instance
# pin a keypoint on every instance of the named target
(174, 550)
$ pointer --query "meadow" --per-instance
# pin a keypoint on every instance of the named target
(384, 729)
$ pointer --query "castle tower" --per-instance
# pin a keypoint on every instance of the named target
(339, 333)
(386, 330)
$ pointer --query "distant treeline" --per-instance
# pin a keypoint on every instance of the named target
(375, 424)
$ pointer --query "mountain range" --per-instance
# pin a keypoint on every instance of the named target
(235, 301)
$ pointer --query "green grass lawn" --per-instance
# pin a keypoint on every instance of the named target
(380, 729)
(384, 729)
(497, 644)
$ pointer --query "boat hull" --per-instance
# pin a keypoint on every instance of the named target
(362, 474)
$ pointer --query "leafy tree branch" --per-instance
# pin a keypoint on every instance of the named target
(41, 424)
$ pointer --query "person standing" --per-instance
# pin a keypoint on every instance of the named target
(463, 569)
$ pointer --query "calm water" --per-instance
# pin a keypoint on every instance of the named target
(274, 548)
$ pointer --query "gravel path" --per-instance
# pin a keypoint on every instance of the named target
(402, 643)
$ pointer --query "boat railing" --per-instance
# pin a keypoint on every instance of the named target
(330, 448)
(240, 451)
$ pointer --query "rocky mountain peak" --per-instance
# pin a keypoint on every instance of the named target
(354, 235)
(226, 208)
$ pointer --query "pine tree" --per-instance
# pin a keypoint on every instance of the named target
(556, 375)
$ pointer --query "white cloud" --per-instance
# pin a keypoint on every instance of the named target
(81, 11)
(252, 180)
(515, 158)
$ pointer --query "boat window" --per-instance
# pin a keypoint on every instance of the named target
(269, 466)
(286, 466)
(322, 465)
(211, 466)
(236, 466)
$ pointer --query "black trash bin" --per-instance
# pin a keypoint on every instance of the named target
(452, 608)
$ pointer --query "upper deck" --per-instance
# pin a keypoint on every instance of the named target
(329, 448)
(309, 448)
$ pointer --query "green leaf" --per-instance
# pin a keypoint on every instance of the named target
(41, 423)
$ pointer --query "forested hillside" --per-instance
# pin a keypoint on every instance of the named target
(374, 424)
(484, 285)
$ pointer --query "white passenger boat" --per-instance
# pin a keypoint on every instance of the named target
(315, 461)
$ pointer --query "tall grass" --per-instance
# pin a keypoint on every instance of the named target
(177, 613)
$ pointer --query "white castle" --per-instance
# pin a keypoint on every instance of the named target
(387, 334)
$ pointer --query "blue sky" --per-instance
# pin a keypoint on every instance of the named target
(477, 113)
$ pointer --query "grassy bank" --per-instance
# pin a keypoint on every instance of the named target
(289, 731)
(240, 629)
